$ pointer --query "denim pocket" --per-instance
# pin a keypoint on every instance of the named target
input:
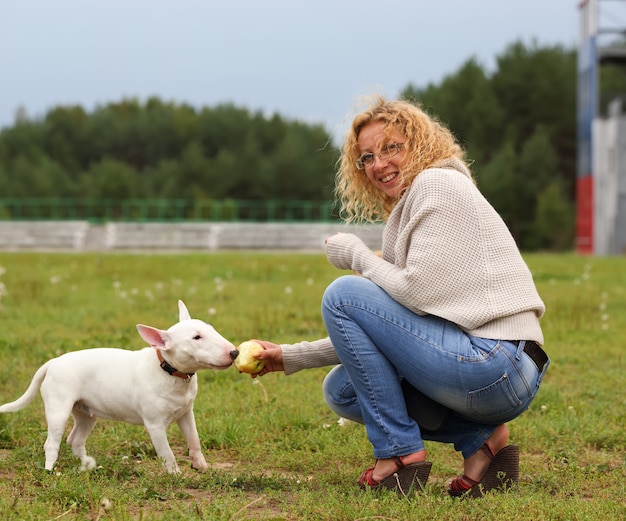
(493, 401)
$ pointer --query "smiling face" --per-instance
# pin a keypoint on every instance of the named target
(383, 173)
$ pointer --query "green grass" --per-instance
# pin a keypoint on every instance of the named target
(275, 451)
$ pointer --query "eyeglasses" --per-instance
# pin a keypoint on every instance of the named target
(385, 154)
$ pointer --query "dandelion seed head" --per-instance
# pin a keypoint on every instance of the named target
(288, 290)
(55, 279)
(211, 311)
(2, 271)
(310, 281)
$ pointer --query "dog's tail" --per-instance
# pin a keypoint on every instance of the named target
(30, 393)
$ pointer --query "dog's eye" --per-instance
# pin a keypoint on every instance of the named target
(197, 337)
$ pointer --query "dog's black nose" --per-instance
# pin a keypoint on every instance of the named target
(234, 354)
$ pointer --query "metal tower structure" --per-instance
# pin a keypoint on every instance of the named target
(601, 161)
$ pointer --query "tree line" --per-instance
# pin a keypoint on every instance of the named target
(517, 123)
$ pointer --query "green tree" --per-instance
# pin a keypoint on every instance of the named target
(66, 138)
(537, 86)
(466, 103)
(110, 179)
(31, 177)
(496, 181)
(553, 228)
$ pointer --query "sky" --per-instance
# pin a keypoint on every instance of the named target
(307, 60)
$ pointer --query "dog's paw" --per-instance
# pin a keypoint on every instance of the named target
(171, 468)
(88, 463)
(200, 467)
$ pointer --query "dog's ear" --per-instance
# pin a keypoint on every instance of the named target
(155, 337)
(183, 314)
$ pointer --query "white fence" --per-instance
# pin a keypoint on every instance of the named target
(152, 236)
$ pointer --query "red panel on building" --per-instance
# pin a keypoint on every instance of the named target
(584, 215)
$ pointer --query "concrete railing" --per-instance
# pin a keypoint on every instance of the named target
(154, 236)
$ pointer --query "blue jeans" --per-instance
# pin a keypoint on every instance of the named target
(379, 342)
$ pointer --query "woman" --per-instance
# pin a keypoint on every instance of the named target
(450, 307)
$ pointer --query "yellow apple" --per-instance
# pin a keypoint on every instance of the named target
(246, 361)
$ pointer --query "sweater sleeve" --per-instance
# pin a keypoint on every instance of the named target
(306, 355)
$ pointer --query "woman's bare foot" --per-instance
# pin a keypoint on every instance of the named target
(386, 467)
(476, 465)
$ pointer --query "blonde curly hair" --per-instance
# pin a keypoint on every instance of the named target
(428, 144)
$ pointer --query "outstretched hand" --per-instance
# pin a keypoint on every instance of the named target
(273, 356)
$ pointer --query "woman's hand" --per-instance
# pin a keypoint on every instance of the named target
(341, 249)
(273, 356)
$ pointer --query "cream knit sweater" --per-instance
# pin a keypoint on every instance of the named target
(446, 252)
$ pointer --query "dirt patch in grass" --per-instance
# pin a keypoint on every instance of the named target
(6, 473)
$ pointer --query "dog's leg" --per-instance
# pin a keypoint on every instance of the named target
(57, 415)
(83, 425)
(158, 435)
(187, 425)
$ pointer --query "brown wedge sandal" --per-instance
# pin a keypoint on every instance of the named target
(407, 477)
(502, 473)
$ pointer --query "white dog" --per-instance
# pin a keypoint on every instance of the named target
(153, 387)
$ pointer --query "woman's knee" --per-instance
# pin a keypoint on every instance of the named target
(346, 286)
(340, 395)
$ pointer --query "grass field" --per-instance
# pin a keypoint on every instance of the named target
(275, 451)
